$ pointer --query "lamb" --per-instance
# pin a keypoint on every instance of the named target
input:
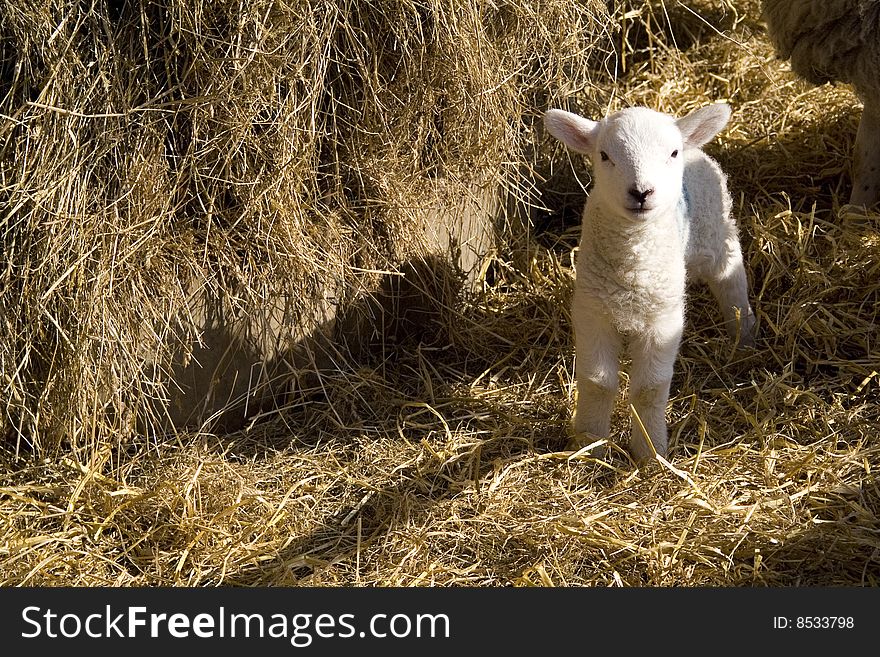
(658, 213)
(837, 40)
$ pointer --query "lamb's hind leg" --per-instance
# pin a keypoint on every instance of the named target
(653, 359)
(597, 350)
(866, 158)
(729, 285)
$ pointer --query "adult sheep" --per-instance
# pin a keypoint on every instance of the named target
(837, 40)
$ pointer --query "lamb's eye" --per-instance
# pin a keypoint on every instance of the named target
(603, 155)
(675, 153)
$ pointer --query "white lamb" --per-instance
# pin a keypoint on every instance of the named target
(658, 212)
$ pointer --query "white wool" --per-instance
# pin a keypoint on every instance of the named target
(837, 41)
(659, 212)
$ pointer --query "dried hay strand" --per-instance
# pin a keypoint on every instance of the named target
(441, 463)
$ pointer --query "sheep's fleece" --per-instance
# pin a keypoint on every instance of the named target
(829, 40)
(837, 40)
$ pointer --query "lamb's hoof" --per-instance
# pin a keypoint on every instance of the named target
(644, 454)
(596, 447)
(746, 343)
(646, 464)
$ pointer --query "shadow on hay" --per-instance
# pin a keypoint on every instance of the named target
(228, 382)
(810, 163)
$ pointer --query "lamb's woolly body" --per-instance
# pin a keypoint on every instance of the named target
(659, 212)
(637, 270)
(837, 41)
(631, 274)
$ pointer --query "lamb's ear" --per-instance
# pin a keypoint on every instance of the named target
(698, 127)
(576, 132)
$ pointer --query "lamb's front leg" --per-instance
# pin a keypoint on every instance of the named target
(653, 359)
(597, 352)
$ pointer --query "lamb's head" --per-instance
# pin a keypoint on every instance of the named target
(637, 154)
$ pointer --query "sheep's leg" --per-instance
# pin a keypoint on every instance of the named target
(653, 358)
(866, 158)
(730, 288)
(597, 350)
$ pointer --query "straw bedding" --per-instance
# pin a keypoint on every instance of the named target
(436, 459)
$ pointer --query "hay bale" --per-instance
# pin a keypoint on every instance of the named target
(190, 190)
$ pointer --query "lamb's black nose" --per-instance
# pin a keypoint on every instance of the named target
(640, 196)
